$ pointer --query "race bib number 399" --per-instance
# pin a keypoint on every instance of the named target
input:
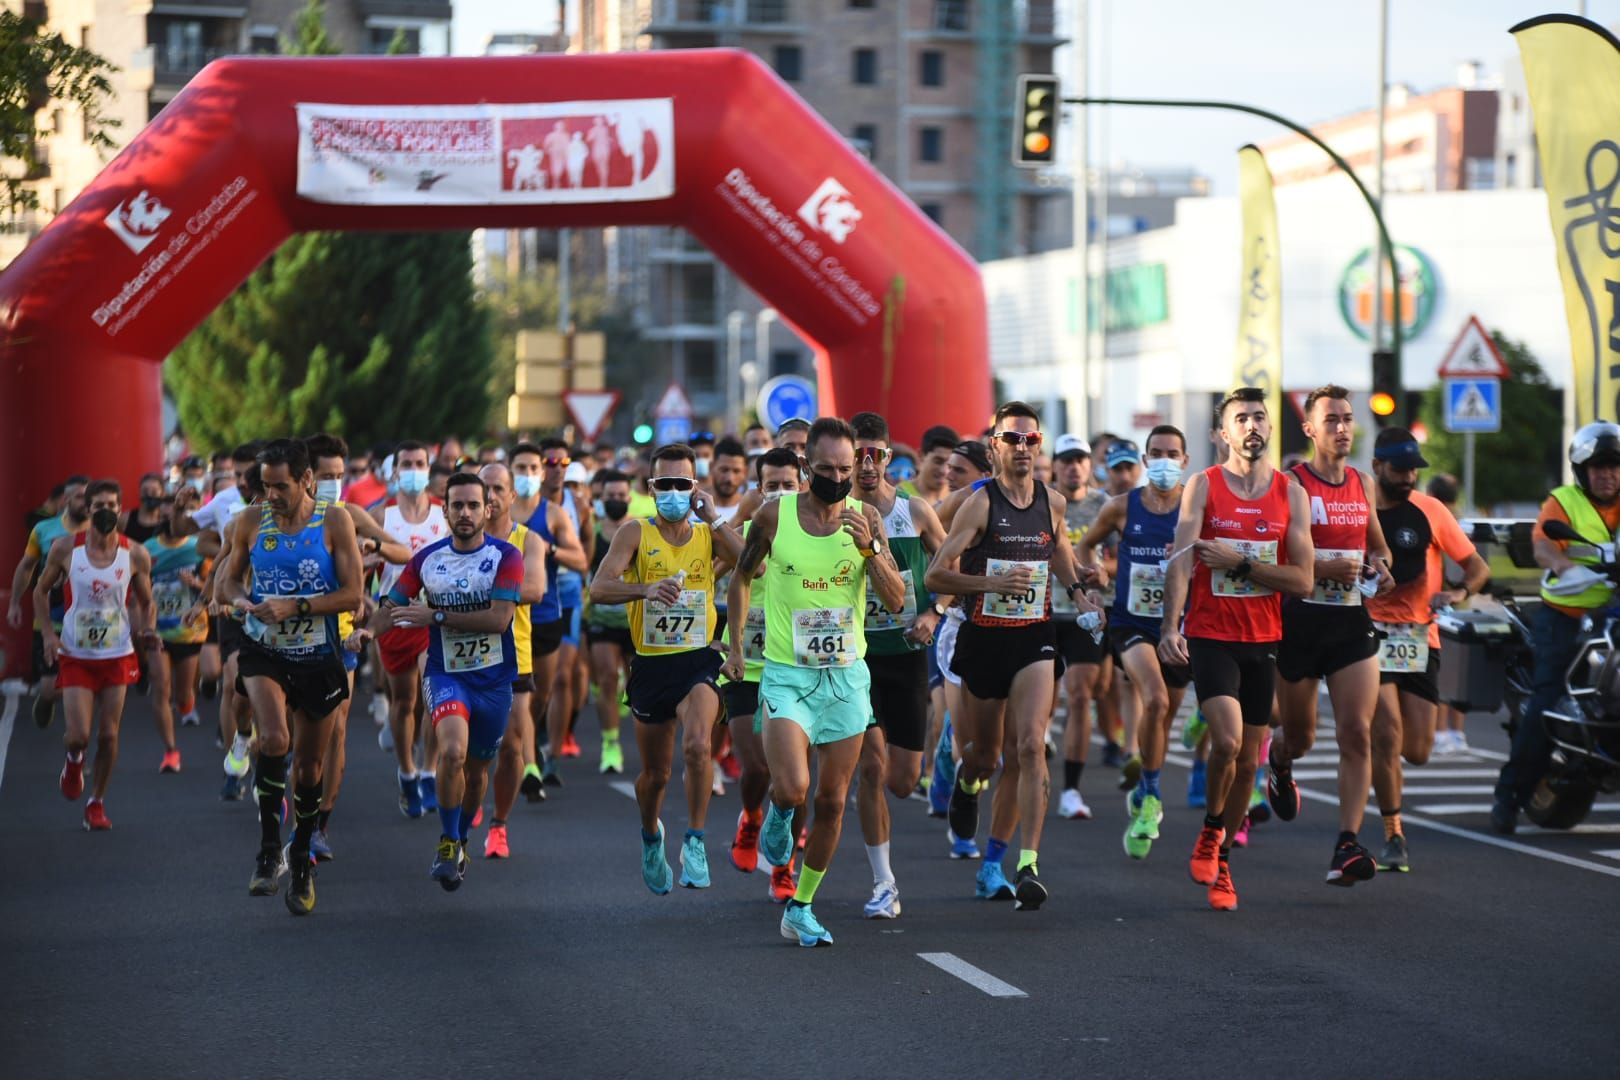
(1222, 583)
(1147, 590)
(1027, 606)
(824, 637)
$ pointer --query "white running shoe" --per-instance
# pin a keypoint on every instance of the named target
(385, 738)
(191, 719)
(885, 902)
(237, 760)
(1073, 807)
(719, 783)
(379, 710)
(1459, 742)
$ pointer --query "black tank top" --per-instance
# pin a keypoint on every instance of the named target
(1013, 534)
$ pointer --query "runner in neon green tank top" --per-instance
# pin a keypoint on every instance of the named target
(823, 547)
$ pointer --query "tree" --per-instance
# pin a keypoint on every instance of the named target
(1520, 463)
(35, 69)
(376, 336)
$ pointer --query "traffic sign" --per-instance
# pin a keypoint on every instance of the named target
(590, 410)
(1474, 405)
(784, 398)
(1473, 355)
(673, 404)
(671, 429)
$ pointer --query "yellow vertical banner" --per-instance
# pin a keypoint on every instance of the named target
(1259, 340)
(1572, 69)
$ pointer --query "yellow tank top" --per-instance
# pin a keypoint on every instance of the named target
(688, 623)
(521, 625)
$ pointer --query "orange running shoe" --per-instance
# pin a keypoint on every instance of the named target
(783, 884)
(1222, 897)
(171, 762)
(570, 746)
(95, 817)
(1206, 854)
(72, 778)
(478, 818)
(495, 843)
(745, 845)
(804, 837)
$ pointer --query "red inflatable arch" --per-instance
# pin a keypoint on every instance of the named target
(255, 149)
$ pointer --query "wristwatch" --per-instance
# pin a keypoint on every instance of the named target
(438, 618)
(877, 549)
(303, 605)
(941, 612)
(1073, 588)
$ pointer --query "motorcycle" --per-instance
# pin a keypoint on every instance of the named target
(1584, 723)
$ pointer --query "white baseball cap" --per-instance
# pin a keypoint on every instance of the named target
(576, 474)
(1070, 444)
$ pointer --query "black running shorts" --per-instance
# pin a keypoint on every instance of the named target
(1123, 638)
(314, 687)
(659, 682)
(900, 697)
(546, 638)
(987, 658)
(1424, 684)
(1077, 646)
(1243, 670)
(1319, 641)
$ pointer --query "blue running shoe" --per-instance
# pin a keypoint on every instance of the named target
(799, 924)
(655, 869)
(776, 836)
(233, 790)
(449, 864)
(939, 788)
(963, 849)
(1195, 786)
(992, 883)
(319, 848)
(694, 863)
(429, 787)
(410, 797)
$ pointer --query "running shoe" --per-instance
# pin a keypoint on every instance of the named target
(428, 785)
(1073, 807)
(319, 848)
(655, 869)
(783, 884)
(44, 710)
(962, 848)
(549, 775)
(1241, 837)
(238, 760)
(1196, 785)
(379, 710)
(72, 779)
(1206, 854)
(1144, 825)
(730, 766)
(1193, 730)
(1259, 809)
(1394, 855)
(1130, 773)
(799, 924)
(991, 883)
(1351, 863)
(233, 789)
(1222, 896)
(963, 813)
(191, 719)
(95, 817)
(776, 837)
(1281, 791)
(885, 902)
(449, 864)
(612, 759)
(495, 845)
(300, 895)
(944, 776)
(385, 738)
(531, 787)
(1030, 893)
(694, 863)
(267, 871)
(745, 845)
(718, 788)
(1459, 742)
(570, 746)
(478, 817)
(1113, 754)
(410, 797)
(171, 762)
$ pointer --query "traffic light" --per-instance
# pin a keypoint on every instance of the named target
(1035, 136)
(643, 434)
(1385, 401)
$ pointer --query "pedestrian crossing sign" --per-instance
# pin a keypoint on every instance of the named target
(1473, 405)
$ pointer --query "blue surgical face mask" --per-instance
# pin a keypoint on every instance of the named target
(199, 484)
(598, 508)
(673, 505)
(1163, 473)
(330, 490)
(526, 486)
(701, 467)
(413, 481)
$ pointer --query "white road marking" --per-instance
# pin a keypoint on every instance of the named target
(1418, 790)
(8, 718)
(952, 964)
(623, 787)
(1485, 808)
(1612, 853)
(1428, 774)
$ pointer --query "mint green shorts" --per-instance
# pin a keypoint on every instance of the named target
(831, 704)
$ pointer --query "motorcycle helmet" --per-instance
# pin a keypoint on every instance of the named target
(1594, 444)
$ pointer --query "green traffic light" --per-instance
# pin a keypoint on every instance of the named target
(643, 434)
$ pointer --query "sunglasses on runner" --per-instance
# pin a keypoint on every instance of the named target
(879, 454)
(1030, 439)
(556, 463)
(672, 483)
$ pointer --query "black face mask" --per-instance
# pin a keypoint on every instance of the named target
(104, 520)
(615, 509)
(829, 491)
(151, 502)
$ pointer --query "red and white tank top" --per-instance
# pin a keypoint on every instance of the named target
(96, 626)
(1339, 516)
(1228, 608)
(429, 530)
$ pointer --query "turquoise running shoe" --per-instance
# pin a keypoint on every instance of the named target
(655, 869)
(694, 863)
(776, 837)
(992, 883)
(1193, 730)
(799, 924)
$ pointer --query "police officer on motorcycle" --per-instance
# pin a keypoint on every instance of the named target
(1591, 506)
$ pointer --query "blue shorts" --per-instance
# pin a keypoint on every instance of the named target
(351, 660)
(571, 626)
(484, 708)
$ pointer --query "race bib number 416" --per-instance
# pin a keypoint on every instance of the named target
(1336, 593)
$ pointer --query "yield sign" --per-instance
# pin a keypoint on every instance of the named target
(673, 404)
(1473, 355)
(590, 410)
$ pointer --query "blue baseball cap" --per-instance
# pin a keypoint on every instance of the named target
(1399, 447)
(1123, 452)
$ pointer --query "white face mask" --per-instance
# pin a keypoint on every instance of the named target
(330, 490)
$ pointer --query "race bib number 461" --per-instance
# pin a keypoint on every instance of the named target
(824, 637)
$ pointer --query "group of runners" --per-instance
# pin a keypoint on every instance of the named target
(802, 611)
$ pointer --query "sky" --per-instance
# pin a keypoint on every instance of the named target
(1310, 60)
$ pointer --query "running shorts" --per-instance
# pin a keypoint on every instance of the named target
(400, 646)
(41, 668)
(988, 658)
(900, 697)
(231, 636)
(659, 682)
(570, 621)
(484, 708)
(313, 688)
(1077, 646)
(1423, 684)
(831, 704)
(742, 703)
(611, 635)
(1245, 670)
(182, 650)
(523, 684)
(1122, 639)
(1319, 641)
(545, 638)
(97, 675)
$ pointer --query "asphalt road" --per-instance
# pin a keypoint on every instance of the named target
(138, 952)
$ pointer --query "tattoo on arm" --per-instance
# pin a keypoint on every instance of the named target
(754, 551)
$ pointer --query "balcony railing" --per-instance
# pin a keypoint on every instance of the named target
(184, 61)
(720, 13)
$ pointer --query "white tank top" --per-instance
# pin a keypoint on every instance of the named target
(96, 626)
(416, 537)
(897, 522)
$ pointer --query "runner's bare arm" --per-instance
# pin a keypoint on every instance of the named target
(932, 532)
(757, 545)
(491, 620)
(181, 523)
(339, 529)
(727, 541)
(534, 569)
(1178, 575)
(140, 587)
(56, 561)
(951, 505)
(208, 544)
(1065, 566)
(568, 550)
(1109, 519)
(882, 573)
(609, 586)
(1294, 577)
(366, 528)
(967, 526)
(19, 589)
(230, 589)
